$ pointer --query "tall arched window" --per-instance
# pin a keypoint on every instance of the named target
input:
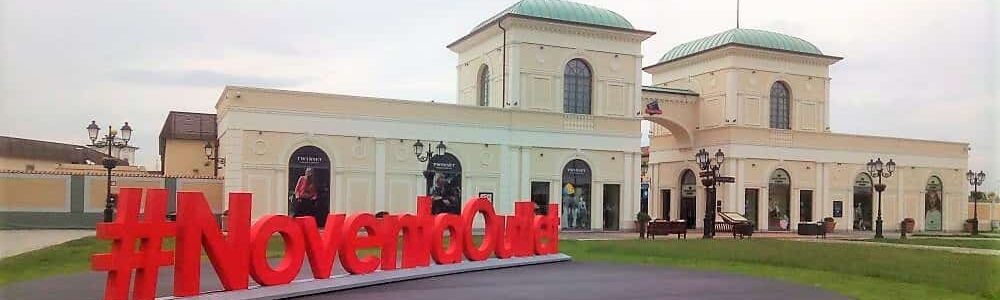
(577, 87)
(780, 106)
(484, 86)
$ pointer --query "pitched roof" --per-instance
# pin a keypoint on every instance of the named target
(181, 125)
(51, 151)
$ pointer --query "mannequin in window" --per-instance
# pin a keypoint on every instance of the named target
(306, 194)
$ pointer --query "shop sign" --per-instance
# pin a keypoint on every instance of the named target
(241, 252)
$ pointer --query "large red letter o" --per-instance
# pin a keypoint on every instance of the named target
(473, 207)
(289, 267)
(452, 254)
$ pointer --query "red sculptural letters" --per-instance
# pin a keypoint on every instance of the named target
(240, 252)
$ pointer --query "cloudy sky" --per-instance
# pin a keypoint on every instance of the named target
(916, 69)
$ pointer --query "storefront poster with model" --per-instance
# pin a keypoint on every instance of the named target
(444, 184)
(576, 195)
(308, 184)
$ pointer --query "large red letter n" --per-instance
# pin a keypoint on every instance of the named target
(196, 227)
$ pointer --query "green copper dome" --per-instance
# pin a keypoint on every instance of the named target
(748, 37)
(562, 10)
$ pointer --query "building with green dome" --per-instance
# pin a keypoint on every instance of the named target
(549, 105)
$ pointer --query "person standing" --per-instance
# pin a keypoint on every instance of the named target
(306, 194)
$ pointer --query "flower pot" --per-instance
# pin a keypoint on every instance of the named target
(829, 226)
(968, 225)
(908, 225)
(641, 226)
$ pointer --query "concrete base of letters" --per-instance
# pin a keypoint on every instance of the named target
(305, 287)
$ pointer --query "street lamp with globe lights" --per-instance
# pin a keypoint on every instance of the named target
(878, 169)
(113, 139)
(975, 179)
(710, 178)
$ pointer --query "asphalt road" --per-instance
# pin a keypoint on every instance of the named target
(585, 281)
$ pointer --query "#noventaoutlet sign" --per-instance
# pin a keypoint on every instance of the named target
(241, 251)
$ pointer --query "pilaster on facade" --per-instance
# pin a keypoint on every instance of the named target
(380, 176)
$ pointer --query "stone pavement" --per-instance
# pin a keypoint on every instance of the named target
(14, 242)
(587, 281)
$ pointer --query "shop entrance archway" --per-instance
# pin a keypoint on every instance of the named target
(779, 190)
(444, 184)
(933, 208)
(313, 197)
(863, 202)
(689, 192)
(576, 183)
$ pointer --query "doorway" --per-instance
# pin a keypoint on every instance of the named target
(665, 204)
(309, 195)
(689, 192)
(779, 196)
(612, 206)
(932, 204)
(863, 202)
(750, 205)
(576, 195)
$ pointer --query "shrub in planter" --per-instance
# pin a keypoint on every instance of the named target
(641, 220)
(908, 225)
(829, 224)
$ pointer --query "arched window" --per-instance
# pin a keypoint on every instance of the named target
(484, 86)
(780, 106)
(577, 87)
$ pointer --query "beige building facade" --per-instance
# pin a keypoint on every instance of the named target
(549, 105)
(763, 99)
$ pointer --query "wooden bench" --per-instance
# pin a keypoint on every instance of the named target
(734, 222)
(664, 227)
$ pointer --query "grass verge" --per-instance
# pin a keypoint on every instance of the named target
(859, 271)
(993, 244)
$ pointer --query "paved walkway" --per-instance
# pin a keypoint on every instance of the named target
(14, 242)
(586, 281)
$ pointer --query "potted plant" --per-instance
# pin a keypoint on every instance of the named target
(829, 224)
(908, 225)
(641, 221)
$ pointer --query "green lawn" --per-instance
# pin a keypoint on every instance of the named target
(859, 271)
(947, 242)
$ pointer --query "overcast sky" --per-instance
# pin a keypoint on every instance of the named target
(915, 69)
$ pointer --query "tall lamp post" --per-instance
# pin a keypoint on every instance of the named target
(710, 178)
(975, 179)
(880, 170)
(110, 140)
(418, 151)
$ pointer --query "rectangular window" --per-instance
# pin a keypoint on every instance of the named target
(805, 205)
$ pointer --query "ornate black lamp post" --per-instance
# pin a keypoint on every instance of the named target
(709, 178)
(418, 151)
(975, 179)
(212, 154)
(880, 170)
(110, 140)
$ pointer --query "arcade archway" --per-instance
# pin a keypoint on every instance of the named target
(576, 204)
(863, 202)
(779, 190)
(933, 208)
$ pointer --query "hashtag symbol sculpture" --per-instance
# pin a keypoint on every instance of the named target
(125, 232)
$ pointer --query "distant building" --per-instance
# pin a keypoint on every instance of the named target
(34, 155)
(182, 144)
